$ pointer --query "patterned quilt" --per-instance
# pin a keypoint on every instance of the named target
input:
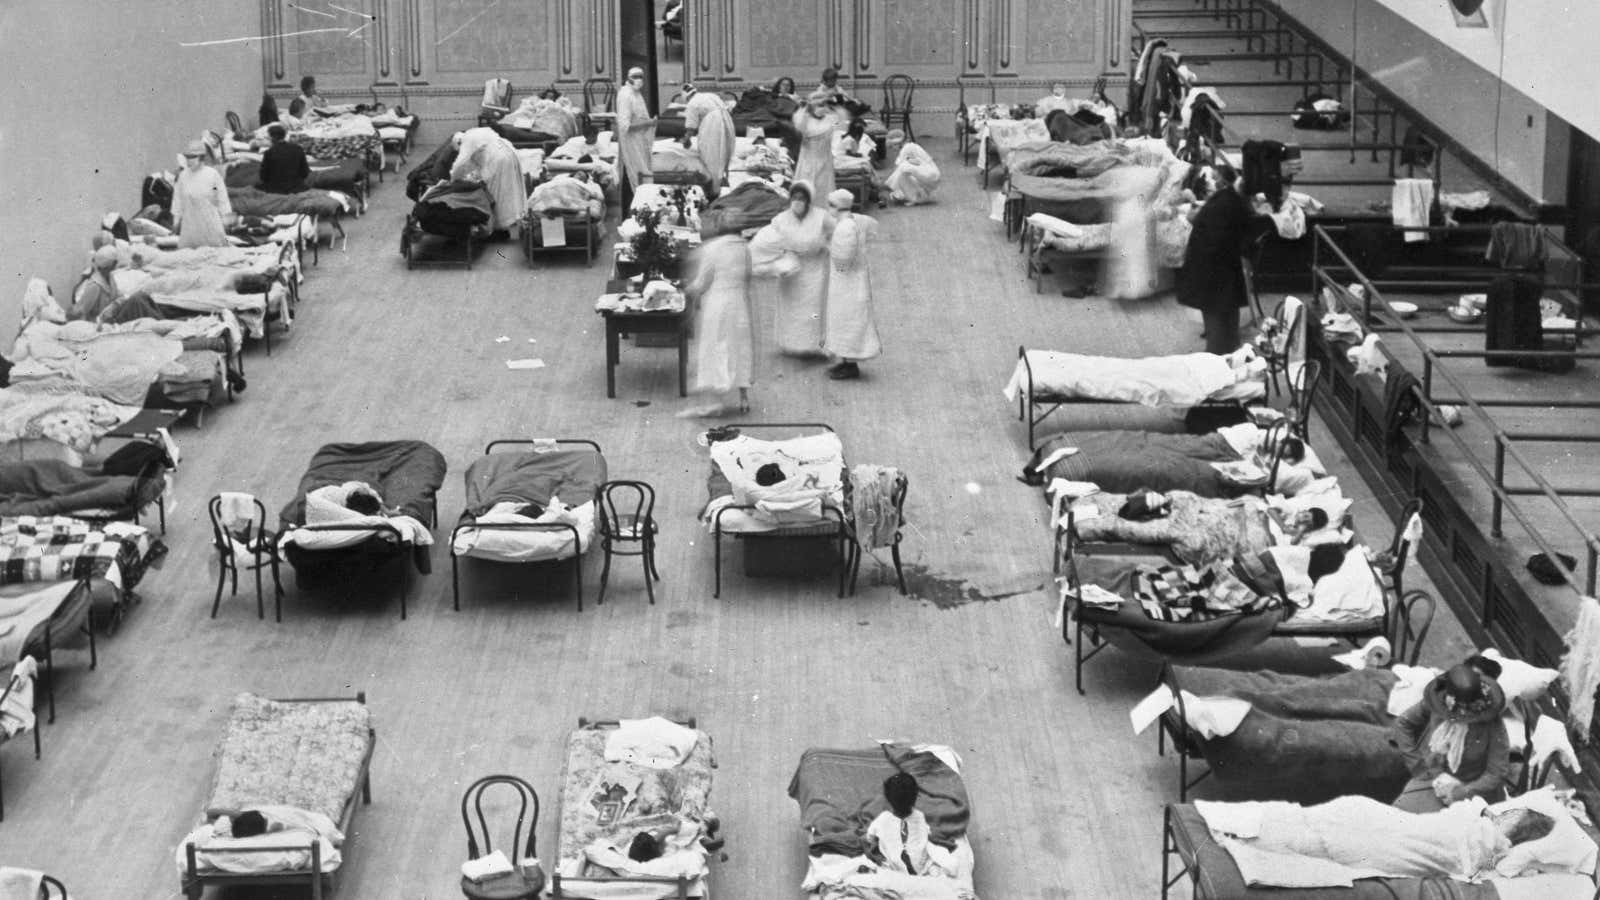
(306, 754)
(1186, 593)
(616, 800)
(57, 548)
(359, 147)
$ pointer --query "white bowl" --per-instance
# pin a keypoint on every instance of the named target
(1403, 309)
(1463, 315)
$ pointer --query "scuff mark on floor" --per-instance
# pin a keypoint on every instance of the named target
(948, 592)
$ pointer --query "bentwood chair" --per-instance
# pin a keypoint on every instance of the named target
(627, 523)
(520, 883)
(247, 541)
(51, 889)
(1391, 562)
(235, 126)
(896, 112)
(1302, 387)
(1285, 345)
(23, 673)
(599, 96)
(496, 101)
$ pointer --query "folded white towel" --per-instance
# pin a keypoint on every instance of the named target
(483, 867)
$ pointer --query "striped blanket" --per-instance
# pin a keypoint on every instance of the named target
(56, 548)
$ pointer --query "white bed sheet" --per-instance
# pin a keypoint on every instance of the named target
(833, 875)
(519, 546)
(1180, 380)
(814, 465)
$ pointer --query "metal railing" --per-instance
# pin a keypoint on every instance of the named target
(1505, 442)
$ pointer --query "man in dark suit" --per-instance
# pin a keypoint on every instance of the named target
(284, 168)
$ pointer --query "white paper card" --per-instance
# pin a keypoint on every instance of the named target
(552, 231)
(524, 363)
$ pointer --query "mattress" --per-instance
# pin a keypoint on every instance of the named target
(810, 496)
(56, 548)
(570, 475)
(305, 754)
(611, 802)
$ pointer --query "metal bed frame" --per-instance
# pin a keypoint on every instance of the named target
(194, 882)
(834, 522)
(1030, 402)
(463, 523)
(589, 228)
(681, 883)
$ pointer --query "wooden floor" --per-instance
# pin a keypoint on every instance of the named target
(1066, 799)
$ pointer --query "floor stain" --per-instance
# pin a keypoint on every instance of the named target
(948, 593)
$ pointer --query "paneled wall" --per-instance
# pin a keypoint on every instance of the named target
(434, 55)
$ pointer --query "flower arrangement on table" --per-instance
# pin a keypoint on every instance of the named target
(661, 230)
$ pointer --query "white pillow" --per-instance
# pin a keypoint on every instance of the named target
(1565, 849)
(1520, 680)
(1293, 479)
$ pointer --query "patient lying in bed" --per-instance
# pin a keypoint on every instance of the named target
(352, 504)
(1286, 845)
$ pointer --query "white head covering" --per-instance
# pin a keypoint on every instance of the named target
(104, 256)
(39, 305)
(842, 199)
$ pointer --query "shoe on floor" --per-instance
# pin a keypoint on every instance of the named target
(844, 371)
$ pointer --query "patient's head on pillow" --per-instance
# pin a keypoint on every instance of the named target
(644, 848)
(364, 501)
(1292, 449)
(1313, 519)
(1522, 825)
(249, 824)
(900, 790)
(769, 475)
(1484, 665)
(1325, 560)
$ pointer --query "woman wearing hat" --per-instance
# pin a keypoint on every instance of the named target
(816, 124)
(1454, 742)
(707, 123)
(849, 333)
(200, 201)
(803, 229)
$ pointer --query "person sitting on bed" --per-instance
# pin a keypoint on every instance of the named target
(1454, 743)
(309, 98)
(897, 839)
(99, 300)
(284, 167)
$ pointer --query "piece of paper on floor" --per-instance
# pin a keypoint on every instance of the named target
(502, 339)
(524, 363)
(533, 340)
(1316, 641)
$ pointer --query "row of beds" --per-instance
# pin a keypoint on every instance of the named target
(73, 549)
(1313, 738)
(307, 762)
(561, 218)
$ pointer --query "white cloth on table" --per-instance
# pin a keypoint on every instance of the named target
(1411, 200)
(655, 742)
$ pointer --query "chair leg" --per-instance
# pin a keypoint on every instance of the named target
(94, 656)
(50, 675)
(649, 584)
(261, 606)
(605, 575)
(899, 573)
(716, 584)
(577, 577)
(455, 582)
(277, 590)
(222, 579)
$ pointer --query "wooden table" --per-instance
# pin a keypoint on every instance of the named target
(618, 322)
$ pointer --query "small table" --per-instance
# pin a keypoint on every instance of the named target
(675, 322)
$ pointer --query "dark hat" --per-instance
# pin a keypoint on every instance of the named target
(769, 475)
(1544, 570)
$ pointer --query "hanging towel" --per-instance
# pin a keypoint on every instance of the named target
(236, 510)
(872, 492)
(1580, 668)
(16, 714)
(1411, 200)
(1514, 245)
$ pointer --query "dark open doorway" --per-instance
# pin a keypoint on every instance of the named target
(652, 39)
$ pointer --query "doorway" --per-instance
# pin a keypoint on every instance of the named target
(1583, 199)
(652, 39)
